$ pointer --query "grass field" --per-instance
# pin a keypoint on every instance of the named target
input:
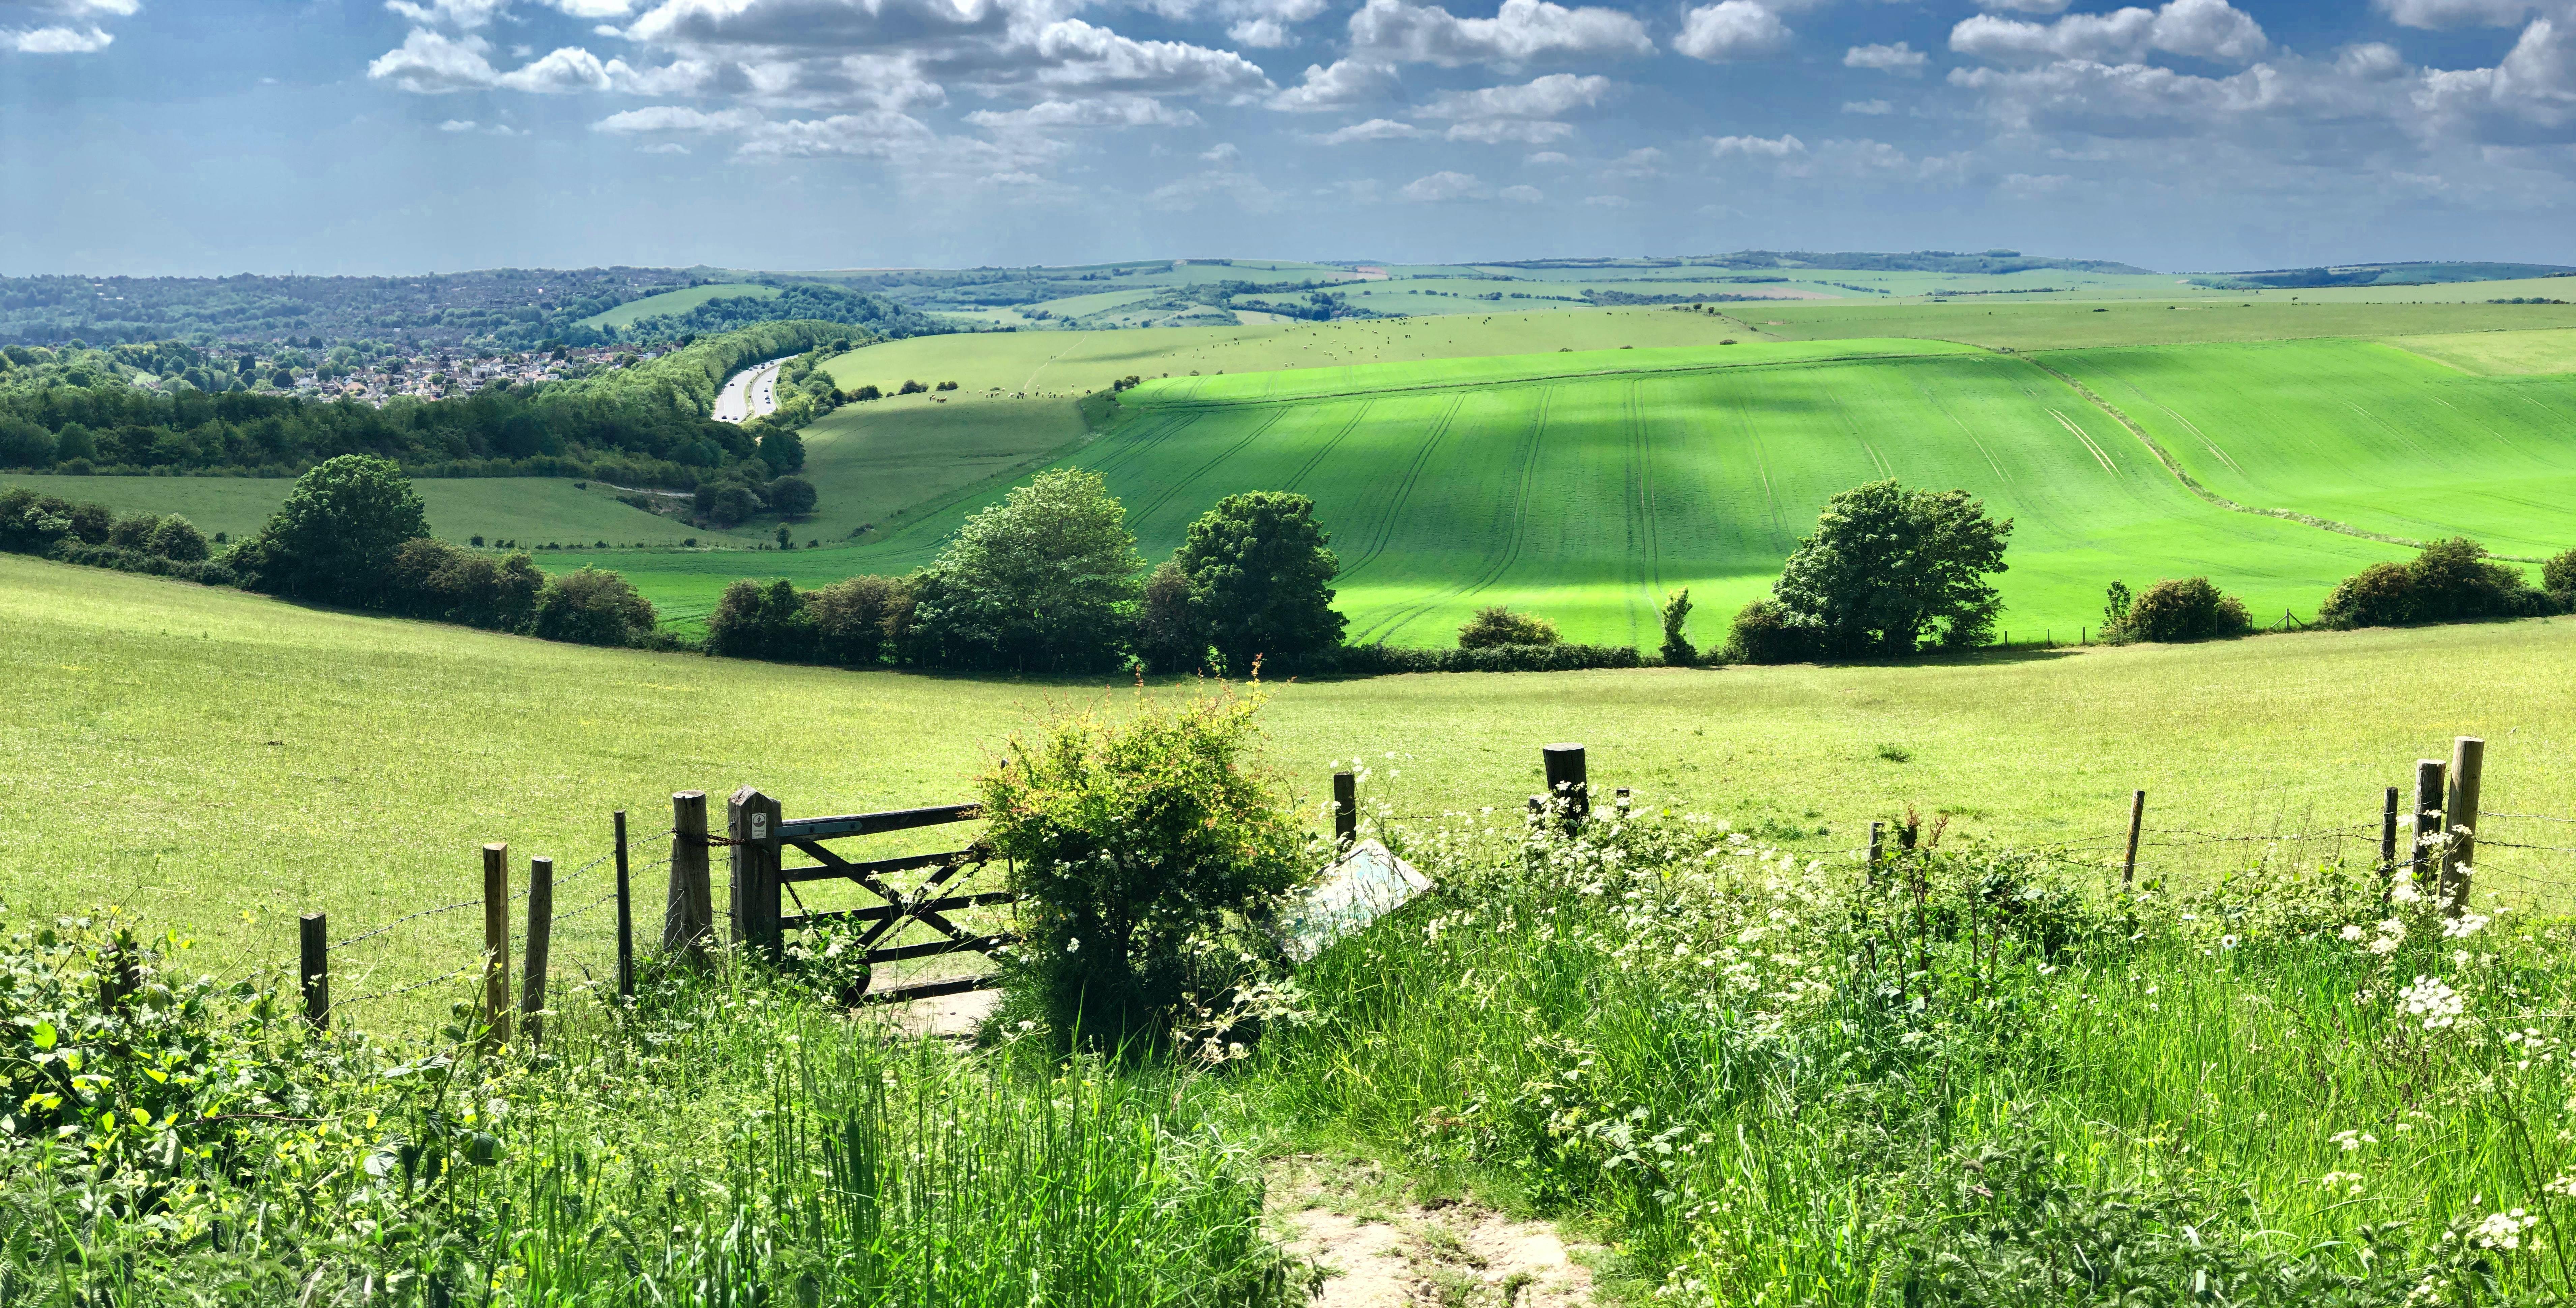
(2499, 353)
(680, 301)
(221, 761)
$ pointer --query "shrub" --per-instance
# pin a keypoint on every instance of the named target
(2381, 595)
(753, 621)
(133, 531)
(851, 620)
(2449, 581)
(1677, 650)
(1765, 631)
(177, 538)
(1888, 569)
(792, 497)
(591, 607)
(1043, 581)
(1260, 579)
(2187, 609)
(2116, 603)
(1373, 660)
(1496, 625)
(2558, 577)
(433, 579)
(1135, 844)
(335, 536)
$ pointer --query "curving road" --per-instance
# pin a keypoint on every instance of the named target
(749, 394)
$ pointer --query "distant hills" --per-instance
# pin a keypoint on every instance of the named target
(2381, 274)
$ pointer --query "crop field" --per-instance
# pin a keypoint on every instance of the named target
(1598, 481)
(220, 761)
(2360, 433)
(2073, 325)
(2499, 353)
(680, 301)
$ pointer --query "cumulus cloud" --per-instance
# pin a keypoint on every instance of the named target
(2441, 14)
(457, 125)
(1443, 187)
(449, 13)
(1077, 53)
(1756, 147)
(58, 39)
(1375, 129)
(677, 118)
(1547, 157)
(1898, 58)
(1543, 97)
(434, 63)
(1731, 30)
(1343, 84)
(2207, 29)
(1520, 31)
(1221, 152)
(62, 26)
(1101, 111)
(1521, 194)
(2535, 83)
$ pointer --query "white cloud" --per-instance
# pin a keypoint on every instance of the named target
(449, 13)
(2207, 29)
(1756, 147)
(58, 39)
(1543, 97)
(457, 125)
(1878, 161)
(1514, 131)
(2027, 185)
(1346, 83)
(1901, 57)
(1244, 189)
(1607, 201)
(594, 8)
(2370, 61)
(2026, 6)
(677, 118)
(1521, 194)
(1731, 30)
(2439, 14)
(1519, 31)
(1260, 33)
(1375, 129)
(1080, 54)
(879, 134)
(1870, 107)
(1221, 152)
(1099, 111)
(1442, 187)
(2534, 83)
(1547, 157)
(434, 63)
(662, 147)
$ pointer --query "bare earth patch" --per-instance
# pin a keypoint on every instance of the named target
(1448, 1253)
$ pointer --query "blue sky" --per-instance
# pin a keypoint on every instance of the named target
(360, 136)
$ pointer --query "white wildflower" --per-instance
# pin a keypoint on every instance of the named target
(2436, 1003)
(2352, 931)
(2353, 1140)
(2464, 926)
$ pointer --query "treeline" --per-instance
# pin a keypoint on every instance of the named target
(515, 307)
(802, 300)
(644, 425)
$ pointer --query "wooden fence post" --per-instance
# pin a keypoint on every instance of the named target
(313, 936)
(496, 946)
(752, 820)
(688, 914)
(2428, 818)
(1346, 811)
(2388, 847)
(2460, 821)
(1568, 785)
(541, 930)
(2137, 823)
(1877, 851)
(625, 919)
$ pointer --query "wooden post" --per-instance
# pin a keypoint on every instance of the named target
(752, 819)
(625, 919)
(2428, 818)
(689, 913)
(2388, 846)
(2137, 823)
(1568, 786)
(1877, 851)
(1346, 811)
(541, 930)
(2460, 821)
(496, 946)
(313, 935)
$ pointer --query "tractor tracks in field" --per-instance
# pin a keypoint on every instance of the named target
(2192, 484)
(1403, 491)
(1514, 520)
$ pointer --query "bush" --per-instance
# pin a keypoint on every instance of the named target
(2188, 609)
(1375, 660)
(2558, 577)
(1135, 844)
(433, 579)
(1044, 581)
(591, 607)
(133, 532)
(2381, 595)
(791, 497)
(335, 536)
(179, 540)
(753, 621)
(1677, 650)
(1496, 625)
(1888, 569)
(1260, 580)
(852, 620)
(2449, 581)
(1765, 631)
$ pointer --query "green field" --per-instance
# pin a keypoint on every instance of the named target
(670, 302)
(2499, 353)
(221, 761)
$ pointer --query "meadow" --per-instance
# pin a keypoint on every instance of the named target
(674, 302)
(219, 762)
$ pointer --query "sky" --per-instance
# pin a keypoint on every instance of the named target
(207, 137)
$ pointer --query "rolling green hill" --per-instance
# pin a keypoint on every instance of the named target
(673, 302)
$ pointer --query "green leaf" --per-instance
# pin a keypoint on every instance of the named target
(44, 1035)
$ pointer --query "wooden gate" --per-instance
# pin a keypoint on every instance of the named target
(760, 834)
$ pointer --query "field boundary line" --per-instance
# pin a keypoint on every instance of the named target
(1535, 378)
(2193, 485)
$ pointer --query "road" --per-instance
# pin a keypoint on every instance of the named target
(749, 394)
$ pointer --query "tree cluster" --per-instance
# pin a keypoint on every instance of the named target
(2449, 581)
(1886, 572)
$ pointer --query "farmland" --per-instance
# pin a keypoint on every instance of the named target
(675, 302)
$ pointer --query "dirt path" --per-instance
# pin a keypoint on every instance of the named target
(1386, 1253)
